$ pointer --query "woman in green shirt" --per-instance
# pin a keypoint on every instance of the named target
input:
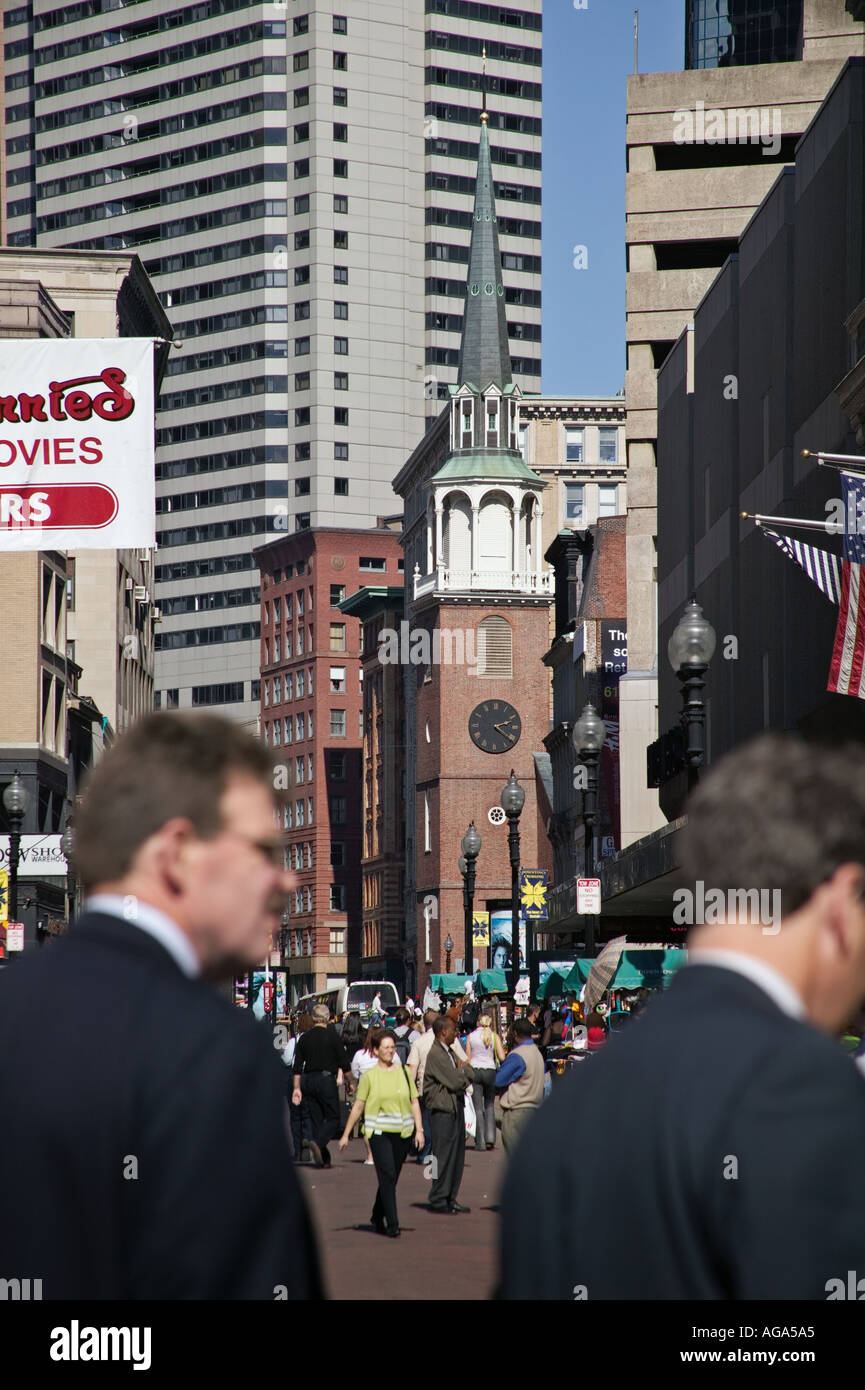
(387, 1098)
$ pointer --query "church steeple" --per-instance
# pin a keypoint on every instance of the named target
(485, 356)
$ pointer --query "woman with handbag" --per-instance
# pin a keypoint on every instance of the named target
(387, 1098)
(485, 1054)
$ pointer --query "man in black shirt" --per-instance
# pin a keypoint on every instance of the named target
(318, 1059)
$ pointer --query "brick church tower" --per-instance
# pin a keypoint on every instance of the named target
(478, 699)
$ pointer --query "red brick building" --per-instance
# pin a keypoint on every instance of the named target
(312, 714)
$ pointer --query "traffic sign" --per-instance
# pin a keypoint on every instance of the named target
(14, 936)
(589, 896)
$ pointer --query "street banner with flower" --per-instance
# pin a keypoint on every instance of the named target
(533, 893)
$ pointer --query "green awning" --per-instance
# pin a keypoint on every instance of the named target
(650, 969)
(491, 982)
(553, 985)
(449, 984)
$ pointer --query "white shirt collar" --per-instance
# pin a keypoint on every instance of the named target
(764, 976)
(154, 923)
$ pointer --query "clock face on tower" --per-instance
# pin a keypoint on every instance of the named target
(494, 726)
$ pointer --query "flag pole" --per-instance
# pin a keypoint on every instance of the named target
(850, 463)
(828, 528)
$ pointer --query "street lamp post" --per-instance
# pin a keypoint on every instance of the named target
(588, 739)
(16, 801)
(513, 799)
(690, 649)
(449, 945)
(67, 844)
(471, 848)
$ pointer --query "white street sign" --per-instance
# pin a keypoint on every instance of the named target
(39, 856)
(589, 896)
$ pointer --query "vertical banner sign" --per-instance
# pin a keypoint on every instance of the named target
(4, 895)
(77, 444)
(480, 928)
(614, 664)
(533, 893)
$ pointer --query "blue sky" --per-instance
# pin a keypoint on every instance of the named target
(588, 54)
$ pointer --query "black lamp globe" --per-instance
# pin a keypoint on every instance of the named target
(692, 644)
(513, 797)
(589, 732)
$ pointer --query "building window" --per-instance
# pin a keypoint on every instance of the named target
(337, 594)
(301, 347)
(495, 649)
(309, 804)
(301, 310)
(301, 24)
(302, 453)
(340, 24)
(573, 445)
(340, 241)
(427, 842)
(289, 686)
(575, 504)
(340, 202)
(300, 641)
(608, 500)
(338, 806)
(337, 897)
(608, 440)
(288, 728)
(340, 274)
(340, 347)
(301, 416)
(340, 131)
(340, 309)
(301, 132)
(301, 381)
(301, 168)
(277, 690)
(360, 723)
(302, 521)
(340, 61)
(337, 942)
(288, 817)
(300, 721)
(340, 415)
(337, 680)
(340, 452)
(300, 62)
(340, 168)
(309, 716)
(337, 854)
(301, 204)
(337, 766)
(301, 241)
(277, 732)
(337, 723)
(340, 487)
(340, 381)
(340, 96)
(301, 96)
(309, 673)
(371, 562)
(299, 684)
(266, 694)
(300, 814)
(299, 769)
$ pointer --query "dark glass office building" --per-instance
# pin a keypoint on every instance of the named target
(732, 33)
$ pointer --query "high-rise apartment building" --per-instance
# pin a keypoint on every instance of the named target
(733, 33)
(299, 184)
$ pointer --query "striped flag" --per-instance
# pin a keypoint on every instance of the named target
(854, 512)
(847, 672)
(821, 566)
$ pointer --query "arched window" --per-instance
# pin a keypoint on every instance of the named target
(457, 539)
(495, 649)
(495, 542)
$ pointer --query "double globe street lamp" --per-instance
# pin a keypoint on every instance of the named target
(690, 649)
(588, 738)
(15, 801)
(513, 800)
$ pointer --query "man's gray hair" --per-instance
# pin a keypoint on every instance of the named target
(320, 1013)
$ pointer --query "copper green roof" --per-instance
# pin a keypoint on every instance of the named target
(485, 353)
(478, 465)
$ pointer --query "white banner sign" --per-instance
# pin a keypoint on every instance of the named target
(589, 896)
(40, 856)
(77, 444)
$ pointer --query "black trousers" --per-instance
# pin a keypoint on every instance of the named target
(449, 1152)
(389, 1153)
(319, 1088)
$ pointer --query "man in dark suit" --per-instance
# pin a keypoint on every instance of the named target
(446, 1080)
(714, 1150)
(145, 1151)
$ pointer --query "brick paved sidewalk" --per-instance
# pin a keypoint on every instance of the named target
(341, 1198)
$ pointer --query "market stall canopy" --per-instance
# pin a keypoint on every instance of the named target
(554, 985)
(449, 984)
(650, 968)
(491, 982)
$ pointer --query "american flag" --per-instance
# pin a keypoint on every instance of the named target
(821, 566)
(847, 672)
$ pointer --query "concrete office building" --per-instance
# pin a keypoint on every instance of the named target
(692, 185)
(298, 184)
